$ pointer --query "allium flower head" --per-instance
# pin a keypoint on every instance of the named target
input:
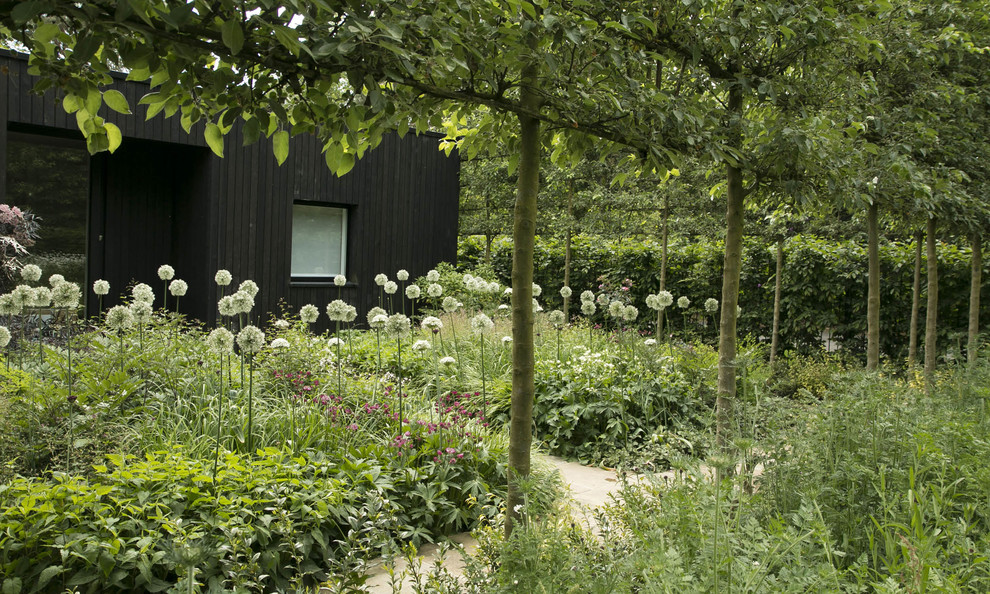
(413, 292)
(279, 343)
(66, 296)
(41, 297)
(22, 295)
(166, 272)
(397, 326)
(738, 311)
(220, 341)
(565, 292)
(101, 287)
(711, 305)
(629, 313)
(481, 324)
(309, 313)
(178, 288)
(536, 306)
(337, 309)
(381, 279)
(378, 322)
(615, 309)
(391, 287)
(557, 318)
(227, 306)
(602, 299)
(281, 324)
(431, 323)
(376, 311)
(119, 318)
(250, 287)
(350, 314)
(588, 308)
(9, 306)
(587, 296)
(243, 301)
(31, 273)
(433, 276)
(507, 292)
(421, 345)
(434, 290)
(447, 360)
(683, 302)
(665, 299)
(4, 337)
(142, 292)
(251, 339)
(223, 277)
(402, 275)
(141, 311)
(450, 305)
(506, 340)
(537, 290)
(55, 279)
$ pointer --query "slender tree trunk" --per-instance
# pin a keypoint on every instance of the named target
(976, 279)
(730, 292)
(873, 290)
(931, 317)
(524, 238)
(567, 248)
(488, 250)
(915, 303)
(775, 335)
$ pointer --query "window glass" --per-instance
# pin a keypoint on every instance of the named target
(319, 236)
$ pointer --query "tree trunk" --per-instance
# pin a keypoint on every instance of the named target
(873, 290)
(567, 248)
(915, 304)
(730, 291)
(523, 239)
(488, 250)
(931, 317)
(976, 278)
(775, 335)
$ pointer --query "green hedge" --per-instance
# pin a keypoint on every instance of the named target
(824, 285)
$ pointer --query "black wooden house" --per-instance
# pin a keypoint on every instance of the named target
(164, 198)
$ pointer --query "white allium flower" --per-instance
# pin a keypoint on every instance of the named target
(340, 280)
(66, 296)
(9, 306)
(629, 313)
(335, 341)
(31, 273)
(602, 300)
(378, 322)
(587, 296)
(119, 318)
(381, 279)
(431, 323)
(503, 307)
(433, 276)
(506, 340)
(507, 292)
(650, 342)
(141, 312)
(537, 290)
(391, 287)
(41, 297)
(615, 309)
(220, 341)
(251, 339)
(227, 306)
(565, 292)
(223, 278)
(101, 287)
(557, 318)
(467, 279)
(434, 290)
(711, 305)
(178, 288)
(281, 324)
(413, 292)
(450, 305)
(250, 287)
(22, 295)
(397, 326)
(280, 343)
(588, 308)
(494, 287)
(683, 302)
(374, 312)
(738, 311)
(4, 337)
(421, 345)
(481, 324)
(665, 299)
(55, 279)
(309, 313)
(142, 292)
(447, 361)
(337, 310)
(243, 301)
(350, 314)
(402, 275)
(653, 302)
(166, 272)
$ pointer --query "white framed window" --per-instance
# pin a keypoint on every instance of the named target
(319, 241)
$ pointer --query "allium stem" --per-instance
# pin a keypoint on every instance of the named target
(250, 435)
(484, 391)
(398, 354)
(216, 455)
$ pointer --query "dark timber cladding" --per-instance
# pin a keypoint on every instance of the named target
(163, 197)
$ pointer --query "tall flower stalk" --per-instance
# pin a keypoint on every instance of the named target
(377, 317)
(165, 273)
(119, 319)
(250, 340)
(398, 327)
(221, 342)
(481, 325)
(451, 305)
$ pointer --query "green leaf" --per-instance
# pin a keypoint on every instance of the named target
(280, 145)
(22, 13)
(214, 138)
(45, 32)
(47, 574)
(116, 101)
(114, 137)
(347, 162)
(233, 35)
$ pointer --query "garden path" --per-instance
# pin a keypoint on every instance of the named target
(588, 487)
